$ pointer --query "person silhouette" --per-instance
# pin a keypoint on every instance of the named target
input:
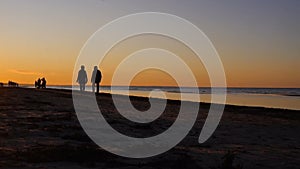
(35, 84)
(38, 83)
(43, 83)
(96, 78)
(82, 78)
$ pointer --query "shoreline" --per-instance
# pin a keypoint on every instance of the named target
(234, 105)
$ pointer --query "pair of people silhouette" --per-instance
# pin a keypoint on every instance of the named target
(95, 79)
(40, 83)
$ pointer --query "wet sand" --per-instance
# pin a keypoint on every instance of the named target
(39, 129)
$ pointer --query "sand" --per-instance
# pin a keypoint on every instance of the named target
(39, 129)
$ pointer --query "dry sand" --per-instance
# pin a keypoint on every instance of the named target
(39, 129)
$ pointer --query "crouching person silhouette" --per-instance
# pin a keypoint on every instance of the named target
(96, 79)
(82, 78)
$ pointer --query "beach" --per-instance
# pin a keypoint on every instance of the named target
(40, 129)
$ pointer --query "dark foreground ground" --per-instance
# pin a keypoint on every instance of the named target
(39, 129)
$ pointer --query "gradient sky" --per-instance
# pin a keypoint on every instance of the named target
(258, 40)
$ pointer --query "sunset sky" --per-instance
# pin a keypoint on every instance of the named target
(258, 41)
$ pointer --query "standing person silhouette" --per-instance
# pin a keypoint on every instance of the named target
(82, 78)
(96, 79)
(39, 83)
(43, 83)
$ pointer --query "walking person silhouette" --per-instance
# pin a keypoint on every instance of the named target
(96, 79)
(82, 78)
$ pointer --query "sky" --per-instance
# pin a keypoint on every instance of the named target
(257, 41)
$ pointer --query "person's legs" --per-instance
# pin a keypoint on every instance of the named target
(93, 87)
(97, 87)
(83, 87)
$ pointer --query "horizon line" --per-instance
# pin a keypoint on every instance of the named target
(169, 86)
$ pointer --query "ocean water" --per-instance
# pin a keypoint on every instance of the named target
(285, 98)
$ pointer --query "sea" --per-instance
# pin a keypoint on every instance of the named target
(283, 98)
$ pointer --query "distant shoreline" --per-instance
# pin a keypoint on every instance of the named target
(173, 100)
(249, 97)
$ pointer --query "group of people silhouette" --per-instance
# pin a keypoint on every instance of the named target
(40, 83)
(82, 78)
(10, 84)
